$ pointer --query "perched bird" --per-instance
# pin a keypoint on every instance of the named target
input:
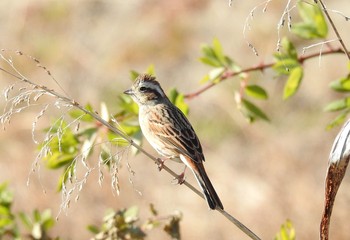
(169, 132)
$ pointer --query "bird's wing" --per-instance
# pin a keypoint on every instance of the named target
(173, 129)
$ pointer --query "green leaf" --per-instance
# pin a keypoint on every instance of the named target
(205, 79)
(6, 196)
(313, 24)
(36, 215)
(256, 91)
(118, 140)
(134, 74)
(293, 82)
(178, 100)
(286, 232)
(47, 221)
(251, 111)
(57, 160)
(217, 48)
(5, 222)
(209, 57)
(341, 85)
(25, 220)
(151, 70)
(68, 171)
(210, 61)
(284, 66)
(4, 211)
(289, 49)
(93, 229)
(338, 105)
(339, 120)
(63, 149)
(131, 214)
(127, 105)
(76, 113)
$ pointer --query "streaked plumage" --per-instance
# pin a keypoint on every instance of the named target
(169, 132)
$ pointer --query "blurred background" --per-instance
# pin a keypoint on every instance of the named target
(264, 173)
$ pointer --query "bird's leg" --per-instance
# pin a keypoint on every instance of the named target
(160, 163)
(181, 177)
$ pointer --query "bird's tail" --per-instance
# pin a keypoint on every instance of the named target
(209, 192)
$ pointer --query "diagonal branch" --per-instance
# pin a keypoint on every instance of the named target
(119, 132)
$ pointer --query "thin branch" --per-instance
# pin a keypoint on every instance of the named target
(335, 29)
(117, 131)
(229, 73)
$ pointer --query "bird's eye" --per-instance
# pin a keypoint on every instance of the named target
(143, 89)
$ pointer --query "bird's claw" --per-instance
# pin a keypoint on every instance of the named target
(180, 178)
(160, 164)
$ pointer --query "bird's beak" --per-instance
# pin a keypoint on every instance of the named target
(129, 92)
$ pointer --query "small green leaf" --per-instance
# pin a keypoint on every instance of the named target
(36, 215)
(178, 100)
(338, 105)
(252, 112)
(286, 232)
(209, 56)
(131, 214)
(293, 82)
(285, 66)
(118, 140)
(289, 49)
(151, 70)
(57, 160)
(217, 48)
(205, 79)
(313, 24)
(339, 120)
(210, 61)
(256, 92)
(127, 105)
(151, 224)
(341, 85)
(68, 172)
(93, 229)
(208, 51)
(76, 113)
(134, 74)
(25, 220)
(47, 221)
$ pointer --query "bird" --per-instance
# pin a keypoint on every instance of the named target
(170, 133)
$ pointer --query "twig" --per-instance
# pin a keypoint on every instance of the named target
(75, 104)
(335, 29)
(261, 67)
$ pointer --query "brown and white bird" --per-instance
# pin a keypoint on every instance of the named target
(170, 133)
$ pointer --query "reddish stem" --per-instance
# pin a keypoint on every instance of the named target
(229, 73)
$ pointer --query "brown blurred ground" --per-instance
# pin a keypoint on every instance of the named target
(264, 173)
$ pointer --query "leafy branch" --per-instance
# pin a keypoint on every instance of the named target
(287, 63)
(261, 67)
